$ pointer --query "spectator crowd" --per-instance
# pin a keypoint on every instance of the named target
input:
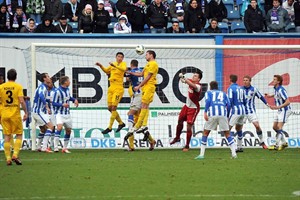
(139, 16)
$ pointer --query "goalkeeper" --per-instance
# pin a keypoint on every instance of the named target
(191, 108)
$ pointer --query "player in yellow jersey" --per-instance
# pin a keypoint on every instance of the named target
(148, 89)
(11, 94)
(115, 92)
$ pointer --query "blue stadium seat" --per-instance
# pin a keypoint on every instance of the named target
(224, 27)
(229, 4)
(238, 27)
(74, 26)
(290, 28)
(64, 1)
(146, 29)
(239, 3)
(111, 27)
(233, 15)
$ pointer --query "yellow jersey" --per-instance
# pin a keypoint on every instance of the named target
(116, 73)
(151, 67)
(9, 95)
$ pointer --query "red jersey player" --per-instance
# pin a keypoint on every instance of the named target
(191, 108)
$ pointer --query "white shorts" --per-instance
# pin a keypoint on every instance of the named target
(213, 122)
(52, 119)
(65, 120)
(251, 117)
(236, 119)
(136, 102)
(40, 119)
(282, 116)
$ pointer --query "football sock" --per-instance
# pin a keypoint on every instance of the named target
(52, 139)
(131, 142)
(6, 146)
(66, 140)
(279, 136)
(130, 121)
(118, 118)
(40, 139)
(282, 136)
(17, 147)
(56, 139)
(12, 142)
(188, 137)
(150, 138)
(141, 118)
(46, 139)
(231, 144)
(260, 136)
(178, 130)
(240, 139)
(203, 145)
(145, 120)
(113, 116)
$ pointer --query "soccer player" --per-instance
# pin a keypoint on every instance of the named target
(115, 91)
(11, 94)
(282, 104)
(61, 103)
(191, 108)
(217, 106)
(237, 100)
(40, 110)
(148, 89)
(250, 93)
(52, 119)
(136, 102)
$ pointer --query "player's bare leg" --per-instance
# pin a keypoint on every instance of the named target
(260, 135)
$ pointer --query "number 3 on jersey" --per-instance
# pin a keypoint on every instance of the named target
(10, 100)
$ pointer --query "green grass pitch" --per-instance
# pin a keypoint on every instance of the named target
(160, 174)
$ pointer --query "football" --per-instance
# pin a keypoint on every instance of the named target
(140, 49)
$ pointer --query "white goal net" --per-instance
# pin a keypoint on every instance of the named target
(89, 85)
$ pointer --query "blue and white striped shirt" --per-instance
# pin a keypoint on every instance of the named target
(61, 96)
(250, 93)
(280, 97)
(135, 80)
(39, 101)
(237, 99)
(50, 97)
(216, 103)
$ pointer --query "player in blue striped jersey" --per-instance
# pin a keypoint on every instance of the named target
(61, 103)
(282, 104)
(237, 100)
(50, 97)
(251, 92)
(217, 107)
(40, 110)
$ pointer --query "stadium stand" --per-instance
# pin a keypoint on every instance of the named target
(238, 27)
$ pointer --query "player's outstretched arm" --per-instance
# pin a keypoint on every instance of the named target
(286, 103)
(136, 88)
(120, 67)
(138, 74)
(269, 95)
(105, 70)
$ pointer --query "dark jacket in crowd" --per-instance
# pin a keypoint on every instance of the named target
(15, 4)
(68, 11)
(170, 30)
(194, 19)
(203, 4)
(101, 20)
(157, 16)
(3, 27)
(217, 10)
(54, 9)
(137, 18)
(122, 6)
(297, 13)
(213, 30)
(42, 28)
(86, 22)
(63, 28)
(254, 19)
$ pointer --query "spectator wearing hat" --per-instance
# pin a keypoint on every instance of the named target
(122, 26)
(213, 27)
(177, 9)
(136, 14)
(46, 26)
(92, 3)
(157, 17)
(101, 19)
(54, 9)
(63, 26)
(86, 20)
(71, 10)
(175, 28)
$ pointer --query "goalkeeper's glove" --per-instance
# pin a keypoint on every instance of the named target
(183, 80)
(181, 75)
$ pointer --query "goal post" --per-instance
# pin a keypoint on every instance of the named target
(89, 84)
